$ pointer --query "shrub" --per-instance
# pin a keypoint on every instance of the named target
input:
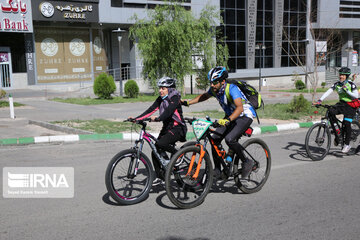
(323, 84)
(2, 93)
(299, 85)
(131, 89)
(104, 86)
(299, 104)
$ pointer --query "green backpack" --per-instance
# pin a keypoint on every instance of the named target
(252, 95)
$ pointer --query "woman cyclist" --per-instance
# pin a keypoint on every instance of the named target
(347, 92)
(174, 127)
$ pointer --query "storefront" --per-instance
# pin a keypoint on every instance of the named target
(69, 43)
(16, 30)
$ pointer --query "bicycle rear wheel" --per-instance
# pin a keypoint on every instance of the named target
(318, 141)
(257, 150)
(183, 189)
(127, 183)
(355, 136)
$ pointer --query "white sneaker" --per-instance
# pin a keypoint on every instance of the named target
(346, 149)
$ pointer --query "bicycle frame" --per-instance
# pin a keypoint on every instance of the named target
(333, 121)
(144, 136)
(220, 154)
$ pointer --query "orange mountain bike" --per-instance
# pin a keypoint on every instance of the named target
(189, 174)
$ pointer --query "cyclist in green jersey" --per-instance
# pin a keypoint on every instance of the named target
(347, 91)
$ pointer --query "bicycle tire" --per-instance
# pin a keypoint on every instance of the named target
(314, 143)
(259, 151)
(182, 190)
(355, 136)
(126, 189)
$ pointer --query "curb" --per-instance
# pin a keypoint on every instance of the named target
(133, 136)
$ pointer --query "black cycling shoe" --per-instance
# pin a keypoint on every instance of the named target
(246, 168)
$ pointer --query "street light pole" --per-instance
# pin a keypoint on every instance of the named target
(261, 47)
(119, 32)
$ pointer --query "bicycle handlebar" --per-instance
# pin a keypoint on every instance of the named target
(133, 120)
(191, 120)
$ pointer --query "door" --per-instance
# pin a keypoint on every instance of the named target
(5, 68)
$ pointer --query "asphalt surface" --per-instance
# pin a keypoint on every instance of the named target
(302, 199)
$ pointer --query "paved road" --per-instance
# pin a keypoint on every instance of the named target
(301, 200)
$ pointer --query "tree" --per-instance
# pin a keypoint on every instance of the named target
(329, 42)
(170, 36)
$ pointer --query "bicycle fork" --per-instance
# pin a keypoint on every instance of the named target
(193, 157)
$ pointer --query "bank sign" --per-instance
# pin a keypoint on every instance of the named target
(65, 11)
(16, 16)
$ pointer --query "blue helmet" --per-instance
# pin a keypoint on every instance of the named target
(217, 74)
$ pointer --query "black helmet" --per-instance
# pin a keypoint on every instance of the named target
(345, 71)
(217, 74)
(166, 82)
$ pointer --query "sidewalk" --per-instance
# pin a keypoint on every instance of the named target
(39, 111)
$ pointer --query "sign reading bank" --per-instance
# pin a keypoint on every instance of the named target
(38, 182)
(16, 16)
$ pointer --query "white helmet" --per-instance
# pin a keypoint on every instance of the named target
(166, 82)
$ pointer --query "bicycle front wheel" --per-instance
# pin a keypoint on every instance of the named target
(185, 187)
(128, 178)
(257, 150)
(318, 141)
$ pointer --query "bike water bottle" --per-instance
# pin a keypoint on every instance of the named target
(230, 155)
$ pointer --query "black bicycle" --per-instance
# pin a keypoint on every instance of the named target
(189, 174)
(318, 137)
(130, 173)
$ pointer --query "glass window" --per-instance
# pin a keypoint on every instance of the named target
(259, 34)
(302, 19)
(241, 50)
(302, 5)
(230, 33)
(269, 18)
(284, 61)
(260, 5)
(286, 19)
(232, 64)
(240, 33)
(230, 3)
(268, 33)
(268, 62)
(230, 16)
(240, 14)
(222, 3)
(286, 5)
(240, 4)
(241, 63)
(268, 5)
(259, 18)
(294, 5)
(232, 48)
(293, 19)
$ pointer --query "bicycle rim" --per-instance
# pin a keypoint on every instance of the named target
(257, 150)
(317, 141)
(355, 136)
(123, 184)
(183, 190)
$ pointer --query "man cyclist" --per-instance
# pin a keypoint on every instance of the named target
(347, 92)
(239, 115)
(174, 128)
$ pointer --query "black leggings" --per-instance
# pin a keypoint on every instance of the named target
(349, 113)
(165, 143)
(232, 134)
